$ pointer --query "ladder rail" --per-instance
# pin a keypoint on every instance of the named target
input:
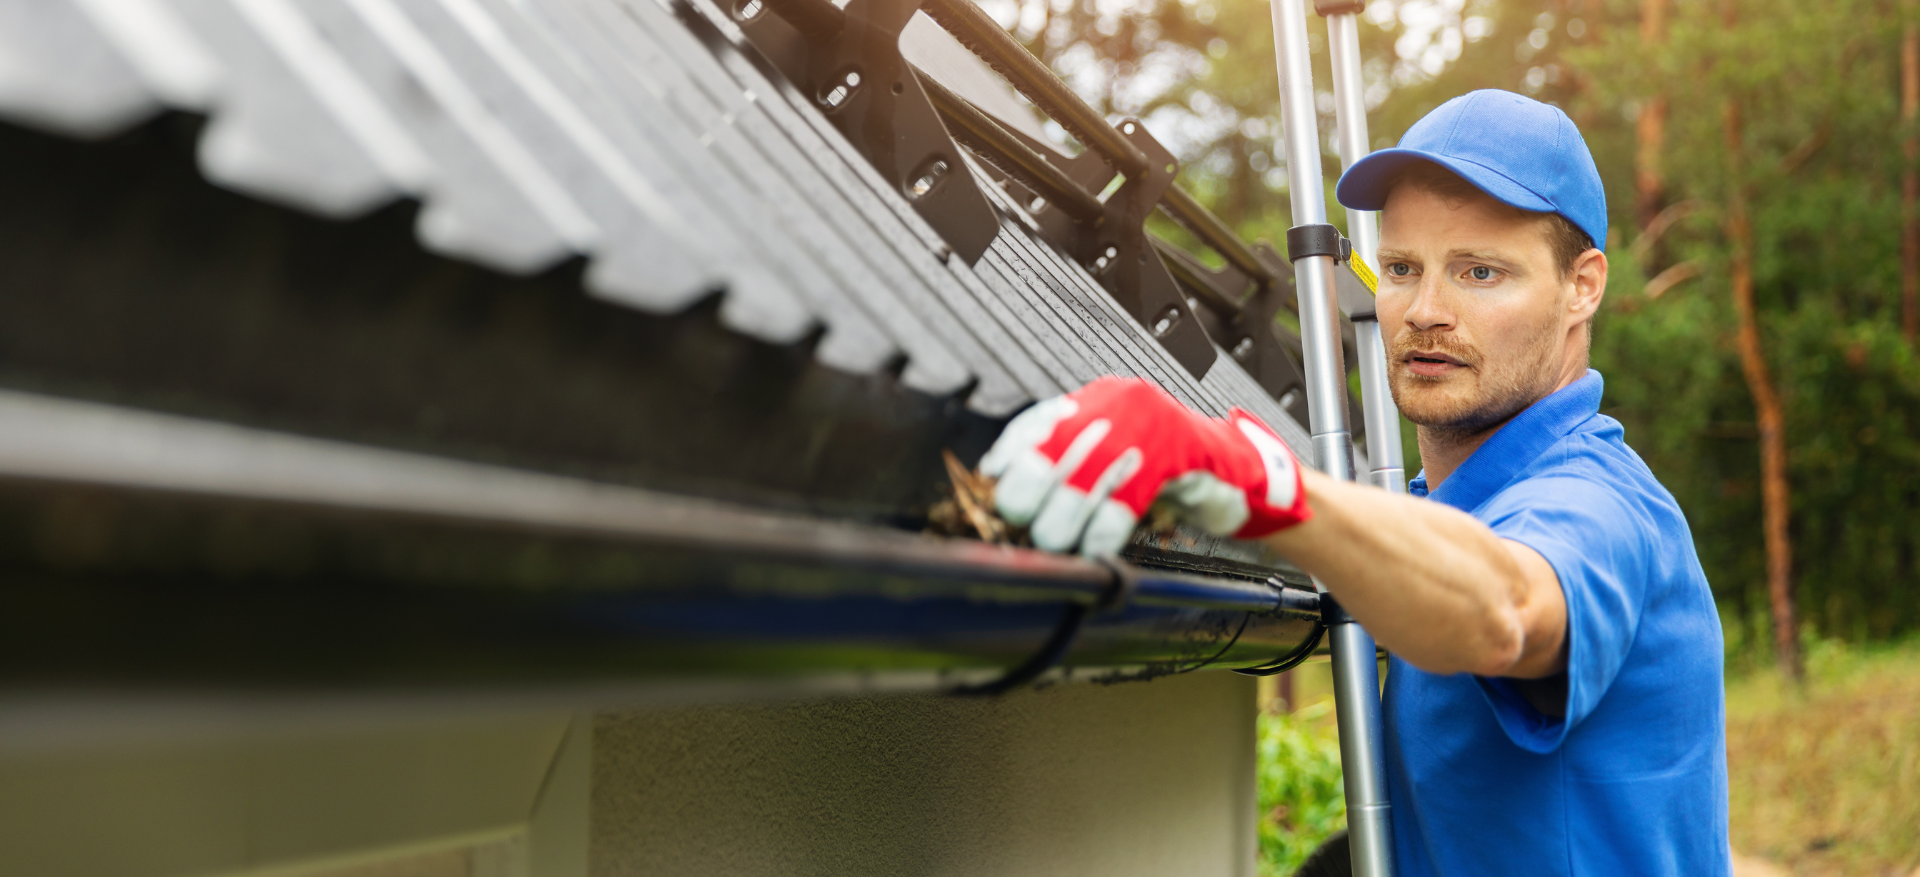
(1320, 344)
(1355, 671)
(1387, 466)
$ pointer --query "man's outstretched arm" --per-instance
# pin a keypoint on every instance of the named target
(1432, 584)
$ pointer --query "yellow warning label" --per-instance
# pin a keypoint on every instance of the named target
(1365, 274)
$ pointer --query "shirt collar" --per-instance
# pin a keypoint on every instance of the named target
(1516, 445)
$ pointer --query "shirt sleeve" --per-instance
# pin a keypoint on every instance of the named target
(1598, 544)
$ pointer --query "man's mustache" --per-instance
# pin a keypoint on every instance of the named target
(1434, 342)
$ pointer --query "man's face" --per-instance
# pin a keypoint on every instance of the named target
(1479, 321)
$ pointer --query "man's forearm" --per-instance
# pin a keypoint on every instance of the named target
(1432, 584)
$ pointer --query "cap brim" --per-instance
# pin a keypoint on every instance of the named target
(1365, 185)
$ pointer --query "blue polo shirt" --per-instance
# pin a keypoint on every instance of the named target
(1633, 779)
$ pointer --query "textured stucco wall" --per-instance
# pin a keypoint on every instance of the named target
(1136, 779)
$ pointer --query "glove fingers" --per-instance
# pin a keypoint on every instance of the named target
(1031, 478)
(1064, 516)
(1109, 530)
(1026, 432)
(1058, 525)
(1023, 486)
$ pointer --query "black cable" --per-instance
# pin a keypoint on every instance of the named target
(1118, 594)
(1125, 581)
(1244, 618)
(1056, 647)
(1157, 670)
(1292, 659)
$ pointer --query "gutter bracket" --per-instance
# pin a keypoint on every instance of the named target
(1330, 614)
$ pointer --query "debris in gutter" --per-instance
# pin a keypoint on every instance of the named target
(968, 512)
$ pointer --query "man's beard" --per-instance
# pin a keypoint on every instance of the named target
(1503, 389)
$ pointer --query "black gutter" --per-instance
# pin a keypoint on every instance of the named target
(148, 550)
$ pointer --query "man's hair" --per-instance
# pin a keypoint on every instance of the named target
(1567, 242)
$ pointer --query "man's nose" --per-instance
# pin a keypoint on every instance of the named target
(1429, 309)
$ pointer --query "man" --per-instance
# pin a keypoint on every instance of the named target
(1554, 702)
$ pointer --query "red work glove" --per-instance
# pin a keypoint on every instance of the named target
(1081, 469)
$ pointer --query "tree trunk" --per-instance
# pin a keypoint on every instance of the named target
(1910, 181)
(1776, 499)
(1650, 129)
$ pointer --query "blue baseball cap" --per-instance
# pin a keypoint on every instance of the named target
(1517, 149)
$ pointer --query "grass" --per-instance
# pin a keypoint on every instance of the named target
(1826, 780)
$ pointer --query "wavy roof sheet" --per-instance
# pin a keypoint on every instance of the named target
(644, 136)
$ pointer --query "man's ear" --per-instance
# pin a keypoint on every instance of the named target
(1589, 276)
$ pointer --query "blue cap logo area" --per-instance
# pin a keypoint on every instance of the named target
(1515, 148)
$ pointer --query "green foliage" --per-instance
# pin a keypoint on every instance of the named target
(1300, 797)
(1820, 163)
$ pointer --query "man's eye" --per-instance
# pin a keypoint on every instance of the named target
(1481, 272)
(1399, 269)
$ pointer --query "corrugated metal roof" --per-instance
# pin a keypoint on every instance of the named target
(638, 134)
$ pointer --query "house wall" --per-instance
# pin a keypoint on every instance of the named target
(121, 792)
(1148, 778)
(1136, 779)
